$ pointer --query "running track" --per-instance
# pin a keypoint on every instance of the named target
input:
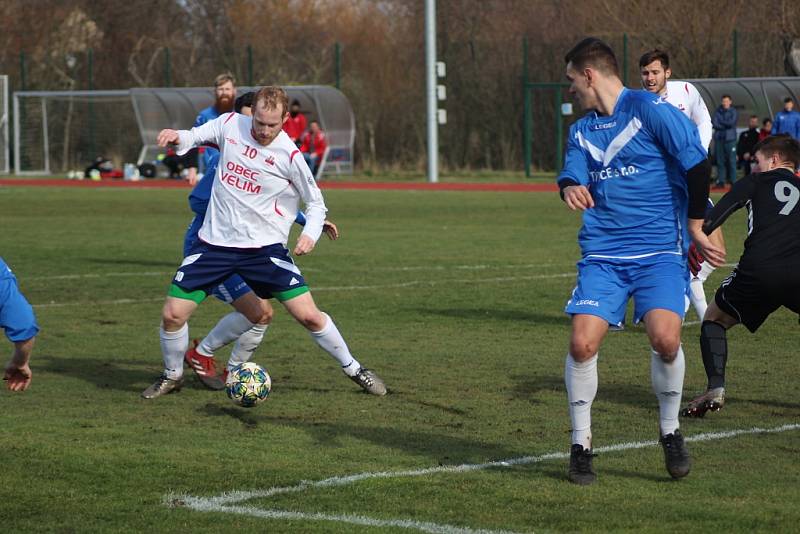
(179, 184)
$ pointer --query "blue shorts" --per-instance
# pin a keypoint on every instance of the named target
(605, 285)
(231, 288)
(269, 271)
(16, 315)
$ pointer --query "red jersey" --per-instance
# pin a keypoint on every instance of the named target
(314, 144)
(295, 126)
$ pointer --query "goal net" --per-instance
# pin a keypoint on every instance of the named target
(61, 131)
(55, 132)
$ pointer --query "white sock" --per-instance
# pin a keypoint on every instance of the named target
(333, 343)
(246, 345)
(667, 379)
(225, 331)
(173, 347)
(581, 381)
(698, 297)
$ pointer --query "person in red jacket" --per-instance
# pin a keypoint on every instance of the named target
(313, 146)
(295, 123)
(766, 128)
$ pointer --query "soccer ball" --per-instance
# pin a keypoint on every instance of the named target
(248, 384)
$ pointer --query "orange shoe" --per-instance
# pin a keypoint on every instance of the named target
(205, 367)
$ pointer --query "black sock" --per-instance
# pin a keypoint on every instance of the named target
(714, 346)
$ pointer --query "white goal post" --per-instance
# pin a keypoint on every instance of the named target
(4, 140)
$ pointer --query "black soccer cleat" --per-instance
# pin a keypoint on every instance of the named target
(711, 401)
(676, 456)
(580, 465)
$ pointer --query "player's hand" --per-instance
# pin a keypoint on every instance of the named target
(578, 197)
(713, 254)
(167, 137)
(191, 176)
(18, 377)
(695, 260)
(330, 230)
(304, 245)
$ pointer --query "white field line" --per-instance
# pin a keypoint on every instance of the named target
(227, 502)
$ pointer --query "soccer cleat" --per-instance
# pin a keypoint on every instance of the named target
(369, 381)
(205, 367)
(580, 465)
(162, 386)
(676, 456)
(711, 401)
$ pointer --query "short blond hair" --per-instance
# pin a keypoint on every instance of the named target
(270, 97)
(224, 78)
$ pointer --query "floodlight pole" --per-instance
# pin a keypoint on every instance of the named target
(430, 90)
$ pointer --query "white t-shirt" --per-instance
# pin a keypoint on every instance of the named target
(686, 98)
(256, 191)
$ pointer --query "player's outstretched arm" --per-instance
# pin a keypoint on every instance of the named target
(578, 197)
(167, 137)
(18, 372)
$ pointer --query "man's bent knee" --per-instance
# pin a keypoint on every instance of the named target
(582, 349)
(666, 347)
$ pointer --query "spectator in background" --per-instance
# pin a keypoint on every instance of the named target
(766, 129)
(788, 120)
(295, 123)
(313, 144)
(724, 122)
(224, 95)
(747, 140)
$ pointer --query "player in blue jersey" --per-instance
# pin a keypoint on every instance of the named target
(19, 324)
(636, 167)
(224, 95)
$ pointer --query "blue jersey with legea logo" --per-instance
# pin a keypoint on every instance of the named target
(634, 164)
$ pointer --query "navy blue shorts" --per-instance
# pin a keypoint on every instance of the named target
(229, 289)
(269, 271)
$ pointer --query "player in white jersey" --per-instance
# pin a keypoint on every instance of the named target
(260, 179)
(655, 71)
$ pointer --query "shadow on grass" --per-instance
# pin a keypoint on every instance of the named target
(638, 395)
(103, 374)
(441, 449)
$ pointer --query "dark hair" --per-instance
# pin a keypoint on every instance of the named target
(244, 101)
(785, 145)
(726, 96)
(296, 102)
(753, 116)
(788, 99)
(592, 51)
(654, 55)
(766, 120)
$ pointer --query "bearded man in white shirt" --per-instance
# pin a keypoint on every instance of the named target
(260, 179)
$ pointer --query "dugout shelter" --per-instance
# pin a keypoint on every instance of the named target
(55, 131)
(177, 108)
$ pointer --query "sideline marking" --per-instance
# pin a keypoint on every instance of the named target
(226, 502)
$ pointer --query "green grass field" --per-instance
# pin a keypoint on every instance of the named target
(454, 298)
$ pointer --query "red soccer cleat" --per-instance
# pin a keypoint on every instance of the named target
(205, 367)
